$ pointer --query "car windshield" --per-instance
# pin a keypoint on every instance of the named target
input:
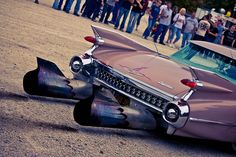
(199, 57)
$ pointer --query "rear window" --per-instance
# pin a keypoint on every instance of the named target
(196, 56)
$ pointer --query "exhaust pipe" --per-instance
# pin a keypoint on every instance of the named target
(48, 80)
(102, 110)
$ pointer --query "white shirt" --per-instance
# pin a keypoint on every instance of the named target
(203, 26)
(167, 13)
(150, 4)
(179, 20)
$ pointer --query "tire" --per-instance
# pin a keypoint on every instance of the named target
(82, 111)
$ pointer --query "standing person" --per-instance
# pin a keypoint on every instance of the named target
(189, 29)
(165, 19)
(220, 31)
(212, 33)
(76, 9)
(229, 36)
(153, 12)
(89, 8)
(145, 6)
(115, 11)
(134, 14)
(203, 26)
(179, 22)
(124, 11)
(107, 9)
(175, 11)
(97, 6)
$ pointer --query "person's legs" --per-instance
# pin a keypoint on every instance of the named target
(65, 6)
(184, 40)
(139, 20)
(96, 11)
(115, 13)
(163, 34)
(126, 13)
(104, 11)
(189, 37)
(174, 30)
(131, 18)
(158, 32)
(121, 13)
(77, 7)
(149, 27)
(109, 10)
(60, 4)
(178, 35)
(134, 22)
(83, 6)
(68, 7)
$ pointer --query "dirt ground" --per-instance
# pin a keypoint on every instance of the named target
(35, 126)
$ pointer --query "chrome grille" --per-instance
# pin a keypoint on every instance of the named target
(106, 75)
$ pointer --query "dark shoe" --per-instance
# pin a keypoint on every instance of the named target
(162, 43)
(128, 32)
(106, 23)
(76, 14)
(121, 30)
(115, 27)
(155, 41)
(94, 20)
(36, 1)
(66, 11)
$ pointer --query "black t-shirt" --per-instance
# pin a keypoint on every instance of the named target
(213, 30)
(126, 4)
(136, 7)
(229, 37)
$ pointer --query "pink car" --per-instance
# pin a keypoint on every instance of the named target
(121, 83)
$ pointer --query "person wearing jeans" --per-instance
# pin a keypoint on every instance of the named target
(107, 9)
(115, 12)
(165, 19)
(135, 12)
(189, 29)
(179, 22)
(145, 5)
(77, 7)
(124, 12)
(69, 4)
(97, 5)
(153, 15)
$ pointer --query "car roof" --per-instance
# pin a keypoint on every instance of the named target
(224, 50)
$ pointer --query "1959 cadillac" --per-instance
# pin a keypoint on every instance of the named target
(121, 83)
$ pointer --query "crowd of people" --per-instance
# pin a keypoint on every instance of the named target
(164, 21)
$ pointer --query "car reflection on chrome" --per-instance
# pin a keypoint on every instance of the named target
(123, 84)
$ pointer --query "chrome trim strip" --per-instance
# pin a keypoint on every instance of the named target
(120, 91)
(187, 95)
(212, 122)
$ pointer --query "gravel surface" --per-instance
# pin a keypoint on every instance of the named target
(37, 126)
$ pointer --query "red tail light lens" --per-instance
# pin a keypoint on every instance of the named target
(90, 39)
(189, 83)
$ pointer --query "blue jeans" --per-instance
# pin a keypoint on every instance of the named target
(68, 6)
(132, 21)
(107, 9)
(139, 18)
(77, 7)
(151, 23)
(186, 38)
(176, 31)
(115, 12)
(161, 30)
(123, 12)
